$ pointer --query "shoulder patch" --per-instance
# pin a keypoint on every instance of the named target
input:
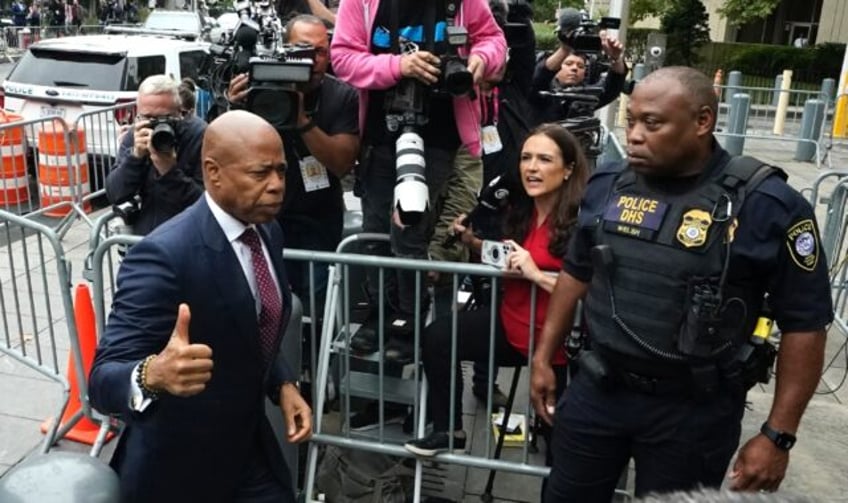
(803, 244)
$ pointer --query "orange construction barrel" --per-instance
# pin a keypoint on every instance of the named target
(14, 186)
(62, 170)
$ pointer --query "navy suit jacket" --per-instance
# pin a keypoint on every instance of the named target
(195, 448)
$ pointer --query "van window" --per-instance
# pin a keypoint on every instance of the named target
(50, 67)
(191, 62)
(139, 69)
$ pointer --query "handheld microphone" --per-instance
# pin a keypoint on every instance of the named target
(493, 197)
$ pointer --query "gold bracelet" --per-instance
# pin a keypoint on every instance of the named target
(146, 390)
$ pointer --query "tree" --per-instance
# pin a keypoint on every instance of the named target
(642, 9)
(739, 12)
(545, 10)
(686, 24)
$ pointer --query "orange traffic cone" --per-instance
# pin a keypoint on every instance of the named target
(717, 82)
(84, 431)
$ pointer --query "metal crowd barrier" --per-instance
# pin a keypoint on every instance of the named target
(338, 329)
(38, 315)
(17, 39)
(103, 129)
(45, 170)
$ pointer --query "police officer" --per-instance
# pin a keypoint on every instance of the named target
(675, 250)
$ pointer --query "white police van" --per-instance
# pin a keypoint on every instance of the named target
(70, 76)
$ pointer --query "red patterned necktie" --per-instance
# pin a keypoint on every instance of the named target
(272, 306)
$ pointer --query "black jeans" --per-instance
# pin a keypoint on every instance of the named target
(473, 330)
(377, 176)
(678, 442)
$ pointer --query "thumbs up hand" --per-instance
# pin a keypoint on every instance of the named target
(182, 368)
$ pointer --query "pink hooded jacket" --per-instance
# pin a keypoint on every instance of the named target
(354, 63)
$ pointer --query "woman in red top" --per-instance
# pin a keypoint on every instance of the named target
(553, 173)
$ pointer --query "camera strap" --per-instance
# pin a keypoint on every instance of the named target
(394, 27)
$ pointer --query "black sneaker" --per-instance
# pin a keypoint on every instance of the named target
(400, 350)
(364, 341)
(434, 443)
(369, 417)
(499, 400)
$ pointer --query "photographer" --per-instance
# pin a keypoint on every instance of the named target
(158, 159)
(383, 47)
(321, 150)
(553, 173)
(567, 69)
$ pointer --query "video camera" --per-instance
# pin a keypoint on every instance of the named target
(581, 33)
(277, 71)
(578, 105)
(275, 81)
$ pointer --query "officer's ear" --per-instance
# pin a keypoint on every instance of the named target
(705, 120)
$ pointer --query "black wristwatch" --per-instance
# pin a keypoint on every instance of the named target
(784, 441)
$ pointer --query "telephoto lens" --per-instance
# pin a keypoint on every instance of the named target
(412, 198)
(163, 138)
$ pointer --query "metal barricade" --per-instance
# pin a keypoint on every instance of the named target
(338, 329)
(103, 130)
(38, 319)
(45, 172)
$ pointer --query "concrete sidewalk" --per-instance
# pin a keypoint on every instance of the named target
(817, 466)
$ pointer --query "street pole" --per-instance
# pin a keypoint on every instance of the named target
(621, 10)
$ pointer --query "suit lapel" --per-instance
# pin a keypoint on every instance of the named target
(229, 279)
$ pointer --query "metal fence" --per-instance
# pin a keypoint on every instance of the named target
(16, 39)
(378, 383)
(52, 170)
(38, 319)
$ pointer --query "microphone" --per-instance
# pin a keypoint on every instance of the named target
(246, 36)
(492, 198)
(569, 20)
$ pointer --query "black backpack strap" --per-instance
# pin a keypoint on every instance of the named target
(743, 174)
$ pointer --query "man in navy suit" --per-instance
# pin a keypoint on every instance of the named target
(190, 349)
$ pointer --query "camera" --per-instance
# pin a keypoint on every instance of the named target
(455, 78)
(578, 106)
(581, 33)
(275, 81)
(164, 135)
(495, 253)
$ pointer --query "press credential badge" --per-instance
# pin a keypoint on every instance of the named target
(314, 174)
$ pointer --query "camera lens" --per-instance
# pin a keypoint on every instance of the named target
(163, 138)
(277, 106)
(458, 80)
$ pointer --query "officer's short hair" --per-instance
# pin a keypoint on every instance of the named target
(716, 496)
(160, 84)
(699, 87)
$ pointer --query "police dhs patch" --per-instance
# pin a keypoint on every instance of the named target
(803, 244)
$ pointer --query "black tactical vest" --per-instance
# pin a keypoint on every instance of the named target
(658, 292)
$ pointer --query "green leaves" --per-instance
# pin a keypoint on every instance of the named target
(739, 12)
(687, 25)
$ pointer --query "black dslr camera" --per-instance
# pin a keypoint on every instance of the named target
(164, 135)
(584, 38)
(275, 81)
(455, 78)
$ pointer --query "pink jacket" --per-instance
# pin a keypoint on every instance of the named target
(354, 63)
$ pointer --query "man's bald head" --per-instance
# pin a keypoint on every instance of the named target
(697, 87)
(228, 136)
(244, 166)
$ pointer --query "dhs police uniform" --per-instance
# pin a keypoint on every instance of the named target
(678, 269)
